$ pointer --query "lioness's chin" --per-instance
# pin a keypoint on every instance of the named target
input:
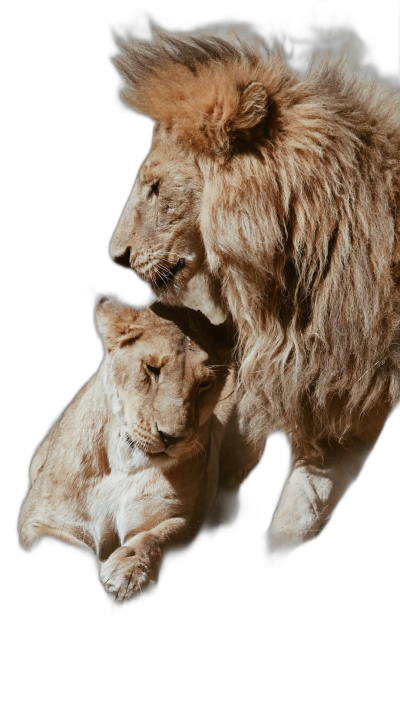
(163, 460)
(147, 460)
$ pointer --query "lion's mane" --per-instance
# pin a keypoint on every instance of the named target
(299, 221)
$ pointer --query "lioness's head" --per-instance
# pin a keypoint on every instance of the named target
(166, 369)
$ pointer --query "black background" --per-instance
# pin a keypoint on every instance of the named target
(78, 154)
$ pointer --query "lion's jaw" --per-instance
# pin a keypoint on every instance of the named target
(158, 234)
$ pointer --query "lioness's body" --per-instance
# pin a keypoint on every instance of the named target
(91, 485)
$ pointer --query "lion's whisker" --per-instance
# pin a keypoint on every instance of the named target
(161, 275)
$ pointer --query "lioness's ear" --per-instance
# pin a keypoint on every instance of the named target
(117, 324)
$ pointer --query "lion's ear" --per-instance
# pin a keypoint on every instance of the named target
(222, 115)
(252, 107)
(210, 92)
(116, 323)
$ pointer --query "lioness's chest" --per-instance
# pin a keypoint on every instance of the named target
(122, 504)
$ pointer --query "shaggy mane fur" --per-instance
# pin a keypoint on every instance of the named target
(299, 221)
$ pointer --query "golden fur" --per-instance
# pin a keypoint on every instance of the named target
(297, 217)
(283, 193)
(133, 463)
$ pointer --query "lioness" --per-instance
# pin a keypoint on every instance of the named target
(133, 461)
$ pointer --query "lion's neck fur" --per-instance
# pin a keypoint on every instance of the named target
(303, 238)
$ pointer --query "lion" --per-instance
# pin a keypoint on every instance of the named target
(281, 194)
(134, 461)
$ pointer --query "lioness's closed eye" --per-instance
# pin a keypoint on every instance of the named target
(133, 461)
(166, 374)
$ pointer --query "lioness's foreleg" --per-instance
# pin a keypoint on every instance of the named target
(136, 562)
(32, 531)
(40, 517)
(40, 456)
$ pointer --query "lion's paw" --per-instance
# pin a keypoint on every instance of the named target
(126, 572)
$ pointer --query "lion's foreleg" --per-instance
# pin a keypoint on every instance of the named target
(312, 491)
(307, 501)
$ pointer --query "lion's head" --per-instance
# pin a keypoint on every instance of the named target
(159, 232)
(279, 188)
(165, 370)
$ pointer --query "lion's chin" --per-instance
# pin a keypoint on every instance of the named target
(171, 289)
(171, 285)
(169, 295)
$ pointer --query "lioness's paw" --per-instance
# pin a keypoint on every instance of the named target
(127, 571)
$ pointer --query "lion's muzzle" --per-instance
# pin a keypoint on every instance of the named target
(122, 258)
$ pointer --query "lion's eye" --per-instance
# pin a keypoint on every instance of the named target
(203, 387)
(153, 370)
(154, 188)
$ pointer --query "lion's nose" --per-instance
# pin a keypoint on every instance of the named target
(168, 440)
(124, 258)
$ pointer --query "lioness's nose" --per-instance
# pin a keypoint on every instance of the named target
(122, 258)
(168, 439)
